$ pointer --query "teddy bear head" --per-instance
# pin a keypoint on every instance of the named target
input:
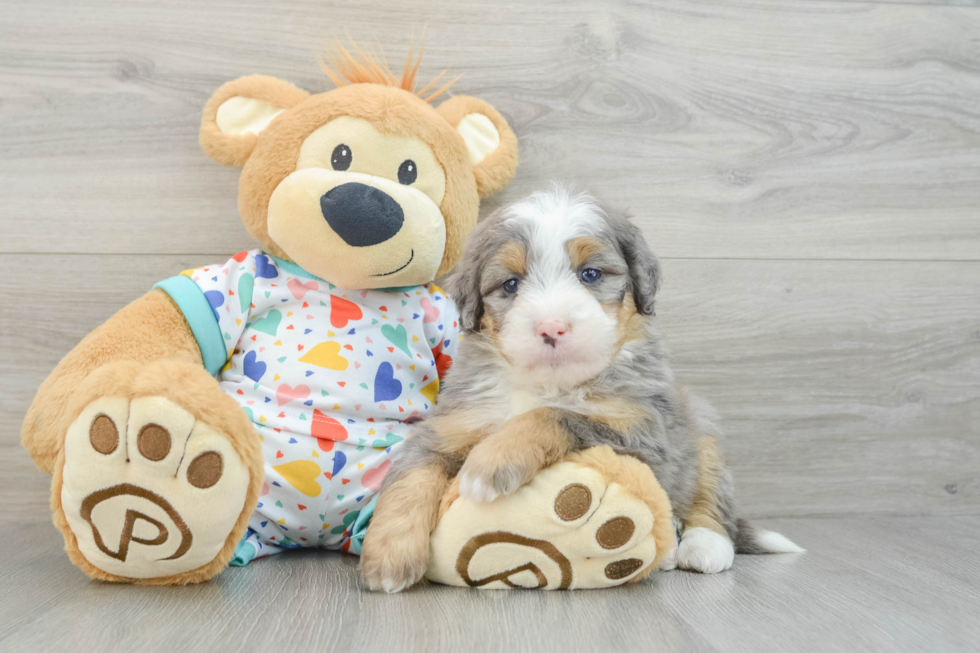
(366, 185)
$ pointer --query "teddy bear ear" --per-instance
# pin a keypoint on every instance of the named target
(490, 142)
(239, 110)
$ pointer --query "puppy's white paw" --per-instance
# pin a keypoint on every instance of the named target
(474, 488)
(669, 563)
(483, 477)
(704, 550)
(392, 586)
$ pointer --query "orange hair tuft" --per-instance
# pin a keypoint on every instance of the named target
(344, 68)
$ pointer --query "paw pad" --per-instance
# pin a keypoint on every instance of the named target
(615, 533)
(153, 442)
(573, 502)
(104, 435)
(623, 568)
(205, 470)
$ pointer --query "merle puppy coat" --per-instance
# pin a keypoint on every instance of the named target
(556, 297)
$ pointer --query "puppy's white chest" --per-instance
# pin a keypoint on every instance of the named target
(519, 402)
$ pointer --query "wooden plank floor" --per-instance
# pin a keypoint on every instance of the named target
(809, 172)
(867, 584)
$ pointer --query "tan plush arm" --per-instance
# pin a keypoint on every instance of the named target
(151, 328)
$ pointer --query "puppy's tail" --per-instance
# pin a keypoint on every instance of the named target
(752, 540)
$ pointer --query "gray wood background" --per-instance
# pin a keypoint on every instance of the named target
(808, 172)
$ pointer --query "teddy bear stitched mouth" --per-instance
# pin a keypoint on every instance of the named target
(411, 257)
(361, 215)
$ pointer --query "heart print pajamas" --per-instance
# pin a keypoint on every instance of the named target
(331, 379)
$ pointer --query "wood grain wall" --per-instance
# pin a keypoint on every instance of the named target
(809, 173)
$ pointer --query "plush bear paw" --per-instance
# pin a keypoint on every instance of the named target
(148, 491)
(594, 520)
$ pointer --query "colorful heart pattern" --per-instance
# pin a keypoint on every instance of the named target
(286, 393)
(216, 299)
(372, 478)
(430, 312)
(299, 289)
(326, 430)
(386, 386)
(302, 475)
(397, 336)
(253, 369)
(264, 269)
(268, 324)
(343, 311)
(333, 381)
(246, 283)
(326, 354)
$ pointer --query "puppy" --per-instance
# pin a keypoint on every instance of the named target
(556, 298)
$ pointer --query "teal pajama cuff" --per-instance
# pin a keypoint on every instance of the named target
(197, 311)
(248, 548)
(359, 528)
(244, 552)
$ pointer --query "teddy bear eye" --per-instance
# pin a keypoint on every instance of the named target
(341, 158)
(408, 172)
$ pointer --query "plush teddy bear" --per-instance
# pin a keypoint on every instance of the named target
(244, 408)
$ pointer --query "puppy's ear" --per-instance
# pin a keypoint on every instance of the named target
(463, 286)
(644, 268)
(489, 140)
(239, 110)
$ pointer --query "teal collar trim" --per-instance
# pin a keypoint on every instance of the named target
(294, 269)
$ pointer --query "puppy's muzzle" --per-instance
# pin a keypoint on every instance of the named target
(552, 330)
(361, 215)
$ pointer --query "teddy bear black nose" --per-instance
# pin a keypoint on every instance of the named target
(361, 215)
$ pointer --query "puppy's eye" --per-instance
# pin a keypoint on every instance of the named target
(408, 172)
(591, 275)
(511, 285)
(341, 158)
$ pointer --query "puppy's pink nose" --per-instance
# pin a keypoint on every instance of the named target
(551, 330)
